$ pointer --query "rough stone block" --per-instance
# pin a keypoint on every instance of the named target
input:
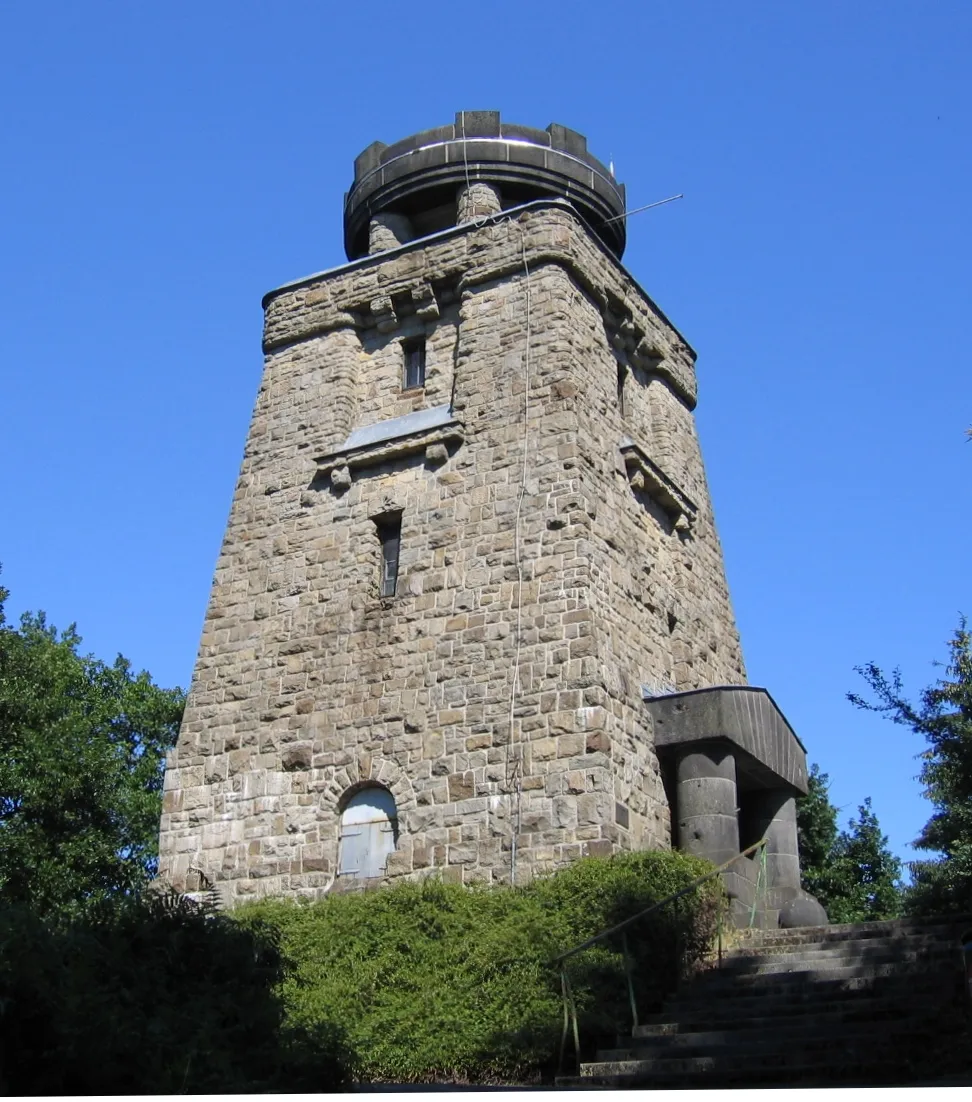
(461, 786)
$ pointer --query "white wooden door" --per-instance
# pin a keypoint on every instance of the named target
(368, 830)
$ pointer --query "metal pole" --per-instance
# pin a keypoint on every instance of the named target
(573, 1016)
(630, 979)
(678, 938)
(647, 206)
(563, 1036)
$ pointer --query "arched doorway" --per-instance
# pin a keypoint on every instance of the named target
(369, 831)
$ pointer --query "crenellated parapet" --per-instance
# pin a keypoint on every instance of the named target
(471, 168)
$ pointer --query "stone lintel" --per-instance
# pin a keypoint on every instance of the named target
(646, 475)
(745, 716)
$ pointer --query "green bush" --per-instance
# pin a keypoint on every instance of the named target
(437, 981)
(409, 983)
(155, 996)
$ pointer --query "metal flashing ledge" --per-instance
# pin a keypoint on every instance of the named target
(428, 430)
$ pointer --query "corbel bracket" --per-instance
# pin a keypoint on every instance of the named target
(646, 476)
(427, 430)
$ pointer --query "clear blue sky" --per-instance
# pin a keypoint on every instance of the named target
(164, 165)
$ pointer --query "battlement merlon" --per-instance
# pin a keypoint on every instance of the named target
(363, 292)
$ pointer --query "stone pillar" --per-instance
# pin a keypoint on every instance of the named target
(388, 231)
(477, 200)
(705, 803)
(340, 357)
(775, 819)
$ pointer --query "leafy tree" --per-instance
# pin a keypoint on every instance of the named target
(866, 871)
(943, 716)
(82, 748)
(852, 872)
(151, 994)
(817, 834)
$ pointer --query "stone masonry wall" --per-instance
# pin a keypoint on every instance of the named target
(538, 578)
(659, 599)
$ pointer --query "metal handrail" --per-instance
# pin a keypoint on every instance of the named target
(570, 1007)
(661, 903)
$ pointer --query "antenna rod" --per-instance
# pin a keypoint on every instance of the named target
(638, 210)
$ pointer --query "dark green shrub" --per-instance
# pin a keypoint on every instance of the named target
(436, 981)
(150, 997)
(416, 982)
(594, 895)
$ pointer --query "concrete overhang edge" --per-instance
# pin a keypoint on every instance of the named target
(792, 771)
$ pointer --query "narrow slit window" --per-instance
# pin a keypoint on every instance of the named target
(622, 379)
(390, 535)
(414, 364)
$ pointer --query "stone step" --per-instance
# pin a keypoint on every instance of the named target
(949, 926)
(708, 985)
(917, 994)
(849, 945)
(917, 944)
(803, 1038)
(825, 958)
(858, 1004)
(850, 1073)
(839, 1059)
(796, 1000)
(905, 949)
(847, 1012)
(770, 1031)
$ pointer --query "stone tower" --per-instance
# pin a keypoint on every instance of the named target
(471, 586)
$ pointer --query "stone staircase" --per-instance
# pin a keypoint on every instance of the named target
(868, 1004)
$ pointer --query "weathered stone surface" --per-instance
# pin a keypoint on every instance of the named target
(775, 819)
(802, 911)
(340, 478)
(535, 583)
(388, 231)
(477, 200)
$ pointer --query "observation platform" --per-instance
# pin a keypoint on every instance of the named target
(418, 178)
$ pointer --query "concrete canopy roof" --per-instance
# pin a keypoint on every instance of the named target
(743, 715)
